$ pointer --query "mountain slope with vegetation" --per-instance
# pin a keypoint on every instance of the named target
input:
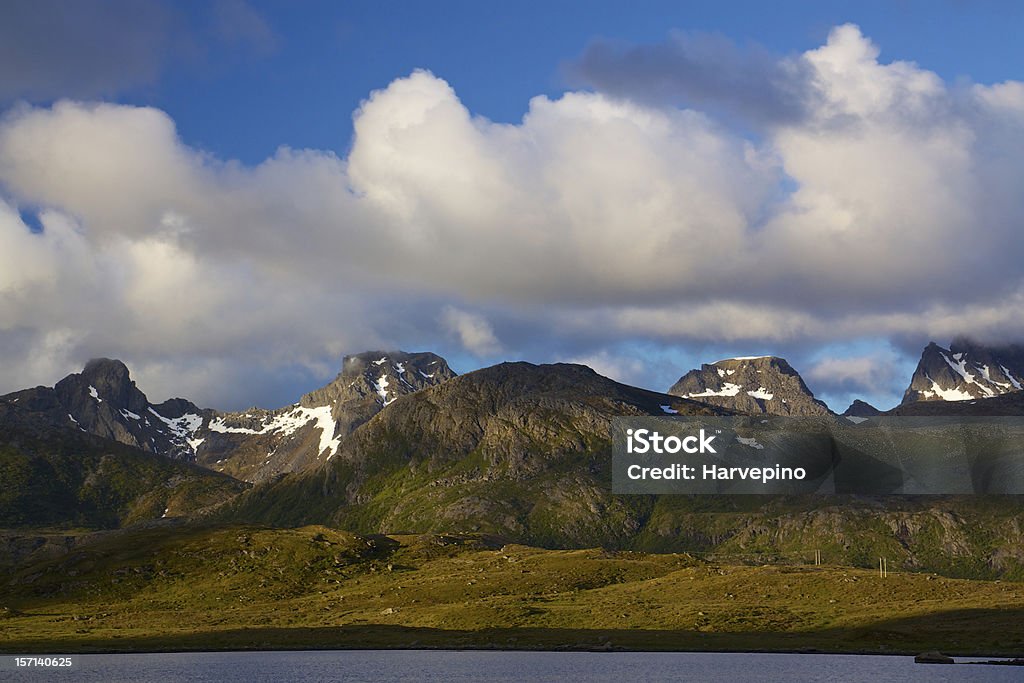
(316, 587)
(64, 477)
(516, 449)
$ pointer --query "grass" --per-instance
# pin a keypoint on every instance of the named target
(237, 587)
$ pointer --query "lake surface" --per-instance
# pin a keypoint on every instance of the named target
(501, 667)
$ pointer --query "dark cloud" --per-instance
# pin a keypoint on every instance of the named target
(701, 70)
(51, 49)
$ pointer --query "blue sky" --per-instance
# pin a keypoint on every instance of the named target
(230, 195)
(326, 57)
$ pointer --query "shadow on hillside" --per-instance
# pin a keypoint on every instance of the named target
(976, 632)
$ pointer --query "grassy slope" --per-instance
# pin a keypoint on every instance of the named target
(241, 587)
(56, 477)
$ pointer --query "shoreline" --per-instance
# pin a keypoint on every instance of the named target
(598, 649)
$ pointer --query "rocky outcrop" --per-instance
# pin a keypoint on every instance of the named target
(765, 385)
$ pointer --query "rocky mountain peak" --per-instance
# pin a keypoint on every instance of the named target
(966, 371)
(861, 408)
(103, 400)
(751, 384)
(103, 379)
(380, 377)
(259, 444)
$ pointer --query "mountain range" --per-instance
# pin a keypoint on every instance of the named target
(398, 442)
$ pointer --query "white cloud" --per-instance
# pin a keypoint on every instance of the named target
(877, 373)
(472, 330)
(889, 206)
(625, 369)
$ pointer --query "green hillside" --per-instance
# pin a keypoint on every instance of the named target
(314, 587)
(62, 477)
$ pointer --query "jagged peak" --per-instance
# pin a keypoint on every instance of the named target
(967, 370)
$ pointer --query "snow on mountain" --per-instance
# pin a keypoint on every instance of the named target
(966, 371)
(750, 384)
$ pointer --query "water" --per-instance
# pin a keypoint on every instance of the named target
(501, 667)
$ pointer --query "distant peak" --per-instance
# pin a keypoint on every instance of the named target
(861, 408)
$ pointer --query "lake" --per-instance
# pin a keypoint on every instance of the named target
(499, 667)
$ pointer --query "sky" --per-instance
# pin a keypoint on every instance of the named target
(230, 196)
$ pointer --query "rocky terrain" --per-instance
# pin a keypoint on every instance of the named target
(966, 371)
(251, 445)
(256, 445)
(765, 385)
(515, 449)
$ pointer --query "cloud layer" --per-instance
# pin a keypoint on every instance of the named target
(873, 201)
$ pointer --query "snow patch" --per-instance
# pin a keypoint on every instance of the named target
(324, 420)
(382, 361)
(947, 394)
(668, 410)
(184, 427)
(749, 442)
(381, 387)
(218, 425)
(288, 423)
(728, 389)
(959, 367)
(762, 394)
(130, 415)
(72, 418)
(1013, 380)
(95, 394)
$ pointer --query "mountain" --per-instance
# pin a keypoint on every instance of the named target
(251, 445)
(861, 408)
(966, 371)
(516, 449)
(59, 475)
(1005, 405)
(256, 445)
(103, 400)
(765, 385)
